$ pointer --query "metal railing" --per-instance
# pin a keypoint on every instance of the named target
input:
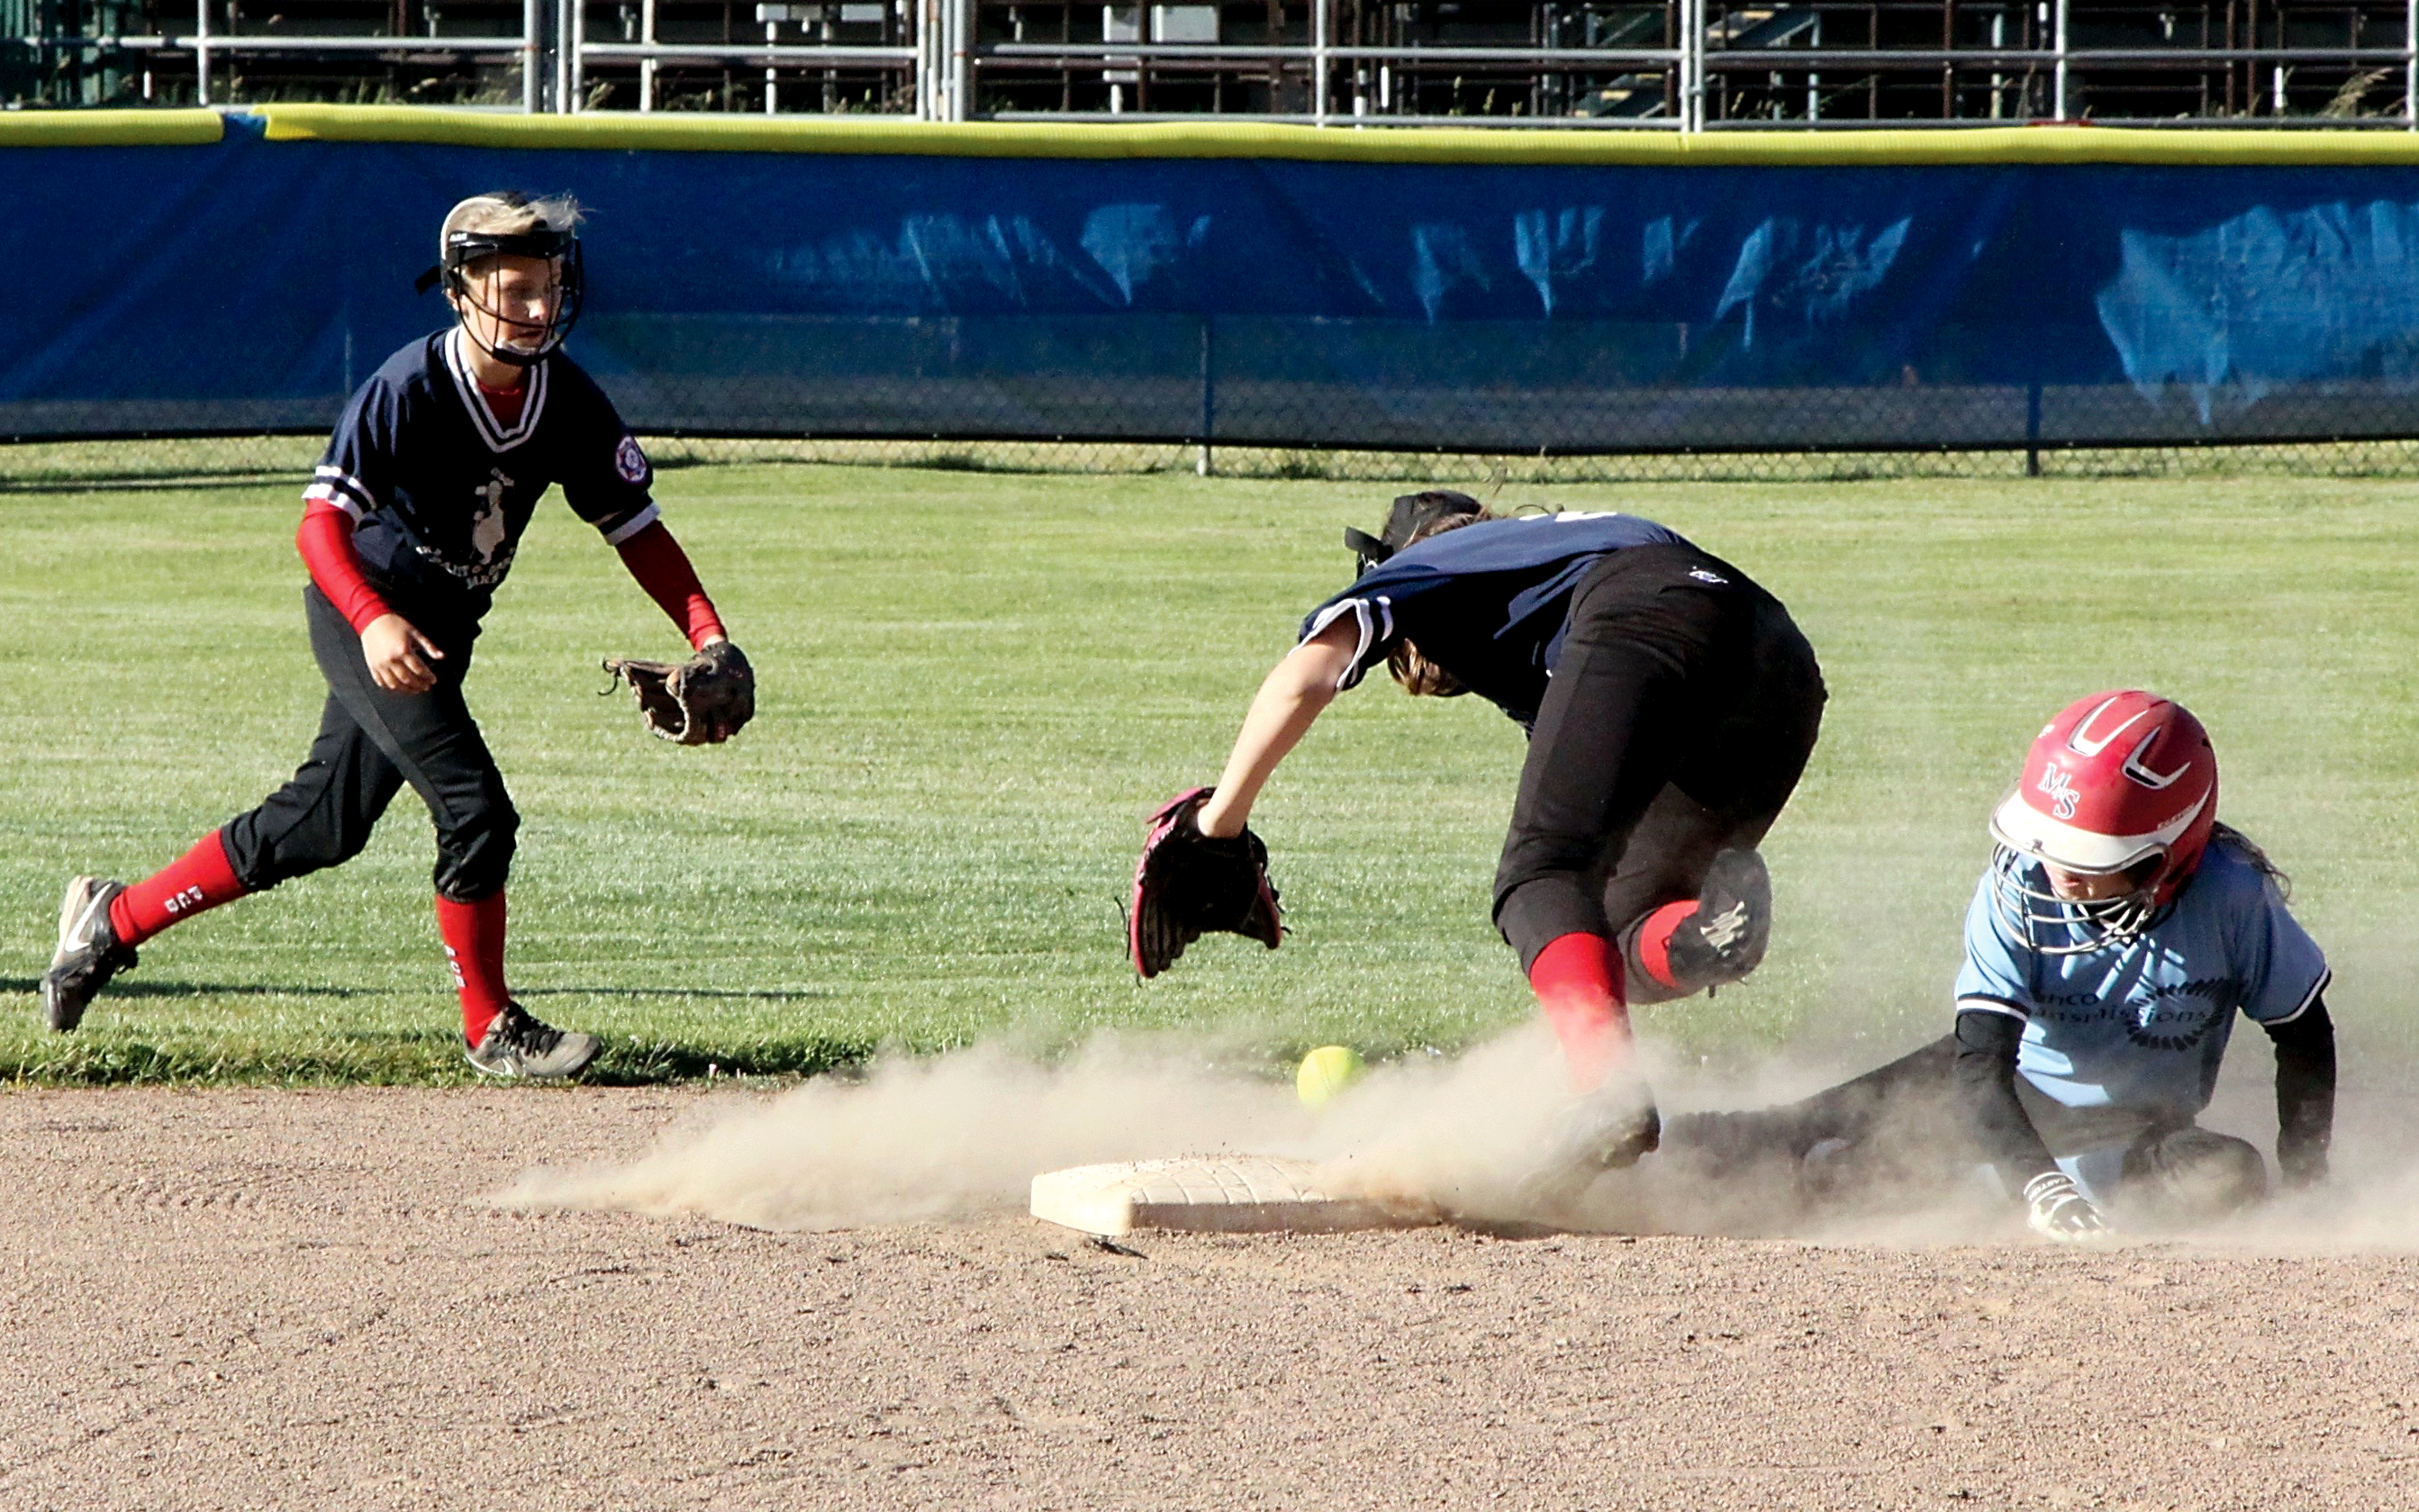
(1714, 64)
(207, 46)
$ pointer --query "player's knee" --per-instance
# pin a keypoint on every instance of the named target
(1533, 914)
(474, 854)
(2194, 1174)
(343, 842)
(1536, 845)
(277, 843)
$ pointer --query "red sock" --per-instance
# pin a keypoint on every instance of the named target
(1577, 982)
(1655, 940)
(199, 879)
(474, 948)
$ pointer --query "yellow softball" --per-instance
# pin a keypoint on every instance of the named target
(1327, 1071)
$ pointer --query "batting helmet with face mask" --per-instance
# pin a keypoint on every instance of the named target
(2121, 783)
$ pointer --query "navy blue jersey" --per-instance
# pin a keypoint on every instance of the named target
(1485, 602)
(439, 492)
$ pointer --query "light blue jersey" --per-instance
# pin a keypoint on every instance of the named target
(2143, 1025)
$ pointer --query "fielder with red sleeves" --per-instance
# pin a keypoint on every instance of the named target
(409, 526)
(1670, 706)
(2119, 931)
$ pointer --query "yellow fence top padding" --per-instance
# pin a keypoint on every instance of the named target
(879, 135)
(663, 131)
(109, 128)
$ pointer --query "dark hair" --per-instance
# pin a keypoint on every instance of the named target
(1421, 677)
(2222, 833)
(1412, 517)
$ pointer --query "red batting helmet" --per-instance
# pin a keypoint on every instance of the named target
(2120, 782)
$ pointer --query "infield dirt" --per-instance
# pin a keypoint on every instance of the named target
(259, 1298)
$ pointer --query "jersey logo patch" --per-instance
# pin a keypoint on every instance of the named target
(490, 536)
(487, 525)
(2169, 1020)
(630, 462)
(1704, 577)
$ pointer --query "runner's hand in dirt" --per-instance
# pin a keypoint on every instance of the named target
(2056, 1210)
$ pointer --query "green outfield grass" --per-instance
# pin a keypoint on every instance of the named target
(973, 687)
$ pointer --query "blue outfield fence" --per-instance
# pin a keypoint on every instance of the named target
(1388, 290)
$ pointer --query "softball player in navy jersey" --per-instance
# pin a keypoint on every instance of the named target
(408, 527)
(1670, 706)
(2118, 931)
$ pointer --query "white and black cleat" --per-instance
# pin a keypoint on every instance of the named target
(1725, 938)
(89, 953)
(516, 1045)
(1610, 1129)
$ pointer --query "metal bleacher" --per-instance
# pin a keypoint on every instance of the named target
(1678, 65)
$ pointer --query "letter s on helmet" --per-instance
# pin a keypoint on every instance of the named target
(2115, 781)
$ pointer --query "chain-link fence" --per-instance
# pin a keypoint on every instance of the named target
(272, 460)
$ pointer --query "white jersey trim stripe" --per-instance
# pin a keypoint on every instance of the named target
(1993, 1005)
(319, 493)
(2307, 999)
(639, 521)
(336, 486)
(1374, 620)
(483, 418)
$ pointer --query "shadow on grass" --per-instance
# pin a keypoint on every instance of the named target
(644, 1065)
(369, 1058)
(752, 994)
(125, 988)
(77, 483)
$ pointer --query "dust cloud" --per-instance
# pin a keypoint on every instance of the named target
(936, 1137)
(966, 1131)
(963, 1133)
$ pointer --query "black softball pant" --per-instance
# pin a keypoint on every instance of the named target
(1676, 724)
(371, 742)
(1909, 1129)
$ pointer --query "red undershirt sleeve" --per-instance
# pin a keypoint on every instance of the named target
(662, 568)
(326, 542)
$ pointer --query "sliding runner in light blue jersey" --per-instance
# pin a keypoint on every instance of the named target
(2120, 930)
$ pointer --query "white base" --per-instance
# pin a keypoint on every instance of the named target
(1213, 1194)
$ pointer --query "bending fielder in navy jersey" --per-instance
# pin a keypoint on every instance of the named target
(1670, 706)
(409, 524)
(2118, 931)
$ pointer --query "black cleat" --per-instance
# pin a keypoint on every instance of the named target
(1724, 939)
(89, 953)
(516, 1045)
(1830, 1173)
